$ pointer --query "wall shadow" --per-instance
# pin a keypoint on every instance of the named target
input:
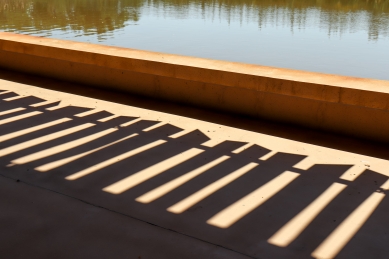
(293, 132)
(261, 206)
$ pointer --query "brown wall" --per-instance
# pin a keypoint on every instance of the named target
(352, 106)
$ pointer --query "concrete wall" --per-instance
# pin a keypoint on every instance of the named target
(352, 106)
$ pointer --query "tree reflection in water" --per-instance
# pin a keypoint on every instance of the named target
(99, 17)
(84, 16)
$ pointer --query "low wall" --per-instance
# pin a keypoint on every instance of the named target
(352, 106)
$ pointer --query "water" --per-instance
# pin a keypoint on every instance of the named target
(346, 37)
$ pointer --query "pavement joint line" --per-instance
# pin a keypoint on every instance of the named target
(126, 215)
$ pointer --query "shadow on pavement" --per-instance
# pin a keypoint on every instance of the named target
(231, 194)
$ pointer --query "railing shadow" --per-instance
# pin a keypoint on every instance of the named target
(230, 194)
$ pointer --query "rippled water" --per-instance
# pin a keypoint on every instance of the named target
(347, 37)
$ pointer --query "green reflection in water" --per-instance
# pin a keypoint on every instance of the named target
(89, 17)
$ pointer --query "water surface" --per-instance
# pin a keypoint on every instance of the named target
(346, 37)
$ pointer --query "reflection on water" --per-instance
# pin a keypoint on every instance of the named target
(352, 36)
(101, 16)
(82, 17)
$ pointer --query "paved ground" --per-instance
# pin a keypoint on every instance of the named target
(90, 173)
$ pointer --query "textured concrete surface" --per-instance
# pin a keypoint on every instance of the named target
(86, 172)
(346, 105)
(39, 223)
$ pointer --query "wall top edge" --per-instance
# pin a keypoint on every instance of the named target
(371, 85)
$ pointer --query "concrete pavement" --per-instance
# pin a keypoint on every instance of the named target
(85, 172)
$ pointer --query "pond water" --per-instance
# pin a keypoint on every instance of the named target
(346, 37)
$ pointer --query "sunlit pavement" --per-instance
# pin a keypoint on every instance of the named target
(90, 173)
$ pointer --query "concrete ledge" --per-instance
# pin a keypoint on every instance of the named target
(352, 106)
